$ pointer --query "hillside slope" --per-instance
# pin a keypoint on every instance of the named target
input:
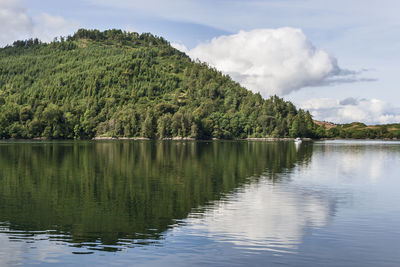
(115, 83)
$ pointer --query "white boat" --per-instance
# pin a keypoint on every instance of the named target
(297, 140)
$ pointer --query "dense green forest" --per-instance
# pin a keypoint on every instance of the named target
(121, 84)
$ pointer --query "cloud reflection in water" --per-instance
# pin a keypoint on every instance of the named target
(265, 216)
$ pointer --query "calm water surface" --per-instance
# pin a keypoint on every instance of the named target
(334, 203)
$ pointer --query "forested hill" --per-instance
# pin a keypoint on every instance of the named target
(121, 84)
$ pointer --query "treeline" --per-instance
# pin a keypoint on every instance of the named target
(122, 84)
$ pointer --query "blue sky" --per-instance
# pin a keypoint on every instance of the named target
(340, 59)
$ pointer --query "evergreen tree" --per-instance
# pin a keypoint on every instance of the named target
(294, 129)
(148, 129)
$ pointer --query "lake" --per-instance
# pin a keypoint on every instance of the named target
(217, 203)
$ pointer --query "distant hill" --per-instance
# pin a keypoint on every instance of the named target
(358, 130)
(121, 84)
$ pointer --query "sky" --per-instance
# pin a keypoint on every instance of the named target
(339, 59)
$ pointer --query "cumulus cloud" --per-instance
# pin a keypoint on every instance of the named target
(272, 61)
(16, 23)
(369, 111)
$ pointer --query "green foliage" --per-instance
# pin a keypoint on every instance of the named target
(115, 83)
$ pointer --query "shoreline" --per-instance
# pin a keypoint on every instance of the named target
(264, 139)
(193, 139)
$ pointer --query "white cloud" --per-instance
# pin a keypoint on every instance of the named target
(272, 61)
(369, 111)
(16, 23)
(181, 47)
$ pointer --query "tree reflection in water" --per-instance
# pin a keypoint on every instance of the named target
(111, 195)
